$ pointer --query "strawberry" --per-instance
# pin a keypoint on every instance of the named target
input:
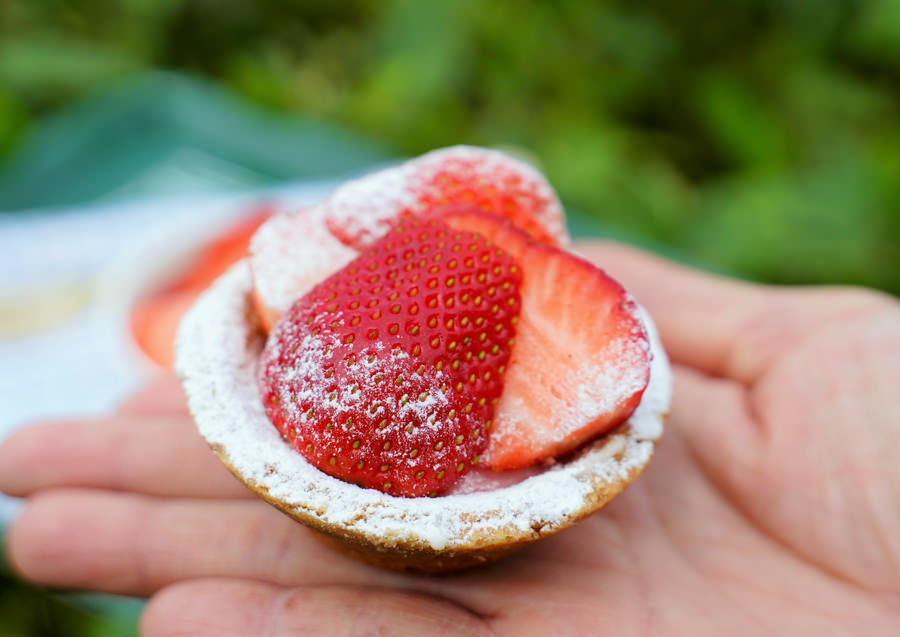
(388, 372)
(290, 254)
(361, 211)
(154, 323)
(581, 360)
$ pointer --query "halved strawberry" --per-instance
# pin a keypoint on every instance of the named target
(362, 210)
(581, 360)
(290, 254)
(387, 373)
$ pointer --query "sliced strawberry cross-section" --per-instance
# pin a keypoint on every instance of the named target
(387, 373)
(362, 210)
(581, 360)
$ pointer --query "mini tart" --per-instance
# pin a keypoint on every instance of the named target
(217, 353)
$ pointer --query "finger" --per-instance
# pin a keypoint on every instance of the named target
(157, 456)
(698, 315)
(237, 608)
(135, 545)
(161, 397)
(713, 416)
(723, 326)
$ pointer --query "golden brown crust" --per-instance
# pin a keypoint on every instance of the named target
(412, 557)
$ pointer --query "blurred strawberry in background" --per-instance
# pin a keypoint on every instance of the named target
(155, 316)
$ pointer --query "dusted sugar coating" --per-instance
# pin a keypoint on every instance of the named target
(362, 210)
(582, 357)
(387, 373)
(289, 255)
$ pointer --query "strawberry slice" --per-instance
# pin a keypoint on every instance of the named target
(362, 210)
(290, 254)
(387, 373)
(581, 360)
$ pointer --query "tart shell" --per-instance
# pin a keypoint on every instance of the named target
(217, 350)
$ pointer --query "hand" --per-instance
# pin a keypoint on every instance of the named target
(772, 506)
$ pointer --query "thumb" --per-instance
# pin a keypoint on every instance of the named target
(723, 336)
(720, 326)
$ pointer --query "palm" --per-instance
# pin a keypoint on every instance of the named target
(770, 506)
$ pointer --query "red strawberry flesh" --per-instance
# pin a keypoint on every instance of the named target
(581, 360)
(387, 373)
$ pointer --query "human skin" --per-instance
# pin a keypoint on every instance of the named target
(772, 505)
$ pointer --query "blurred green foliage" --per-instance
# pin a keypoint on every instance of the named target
(759, 137)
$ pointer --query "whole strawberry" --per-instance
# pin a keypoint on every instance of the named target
(387, 373)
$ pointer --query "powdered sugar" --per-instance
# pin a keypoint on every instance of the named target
(592, 389)
(217, 352)
(358, 383)
(292, 252)
(596, 387)
(647, 420)
(363, 207)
